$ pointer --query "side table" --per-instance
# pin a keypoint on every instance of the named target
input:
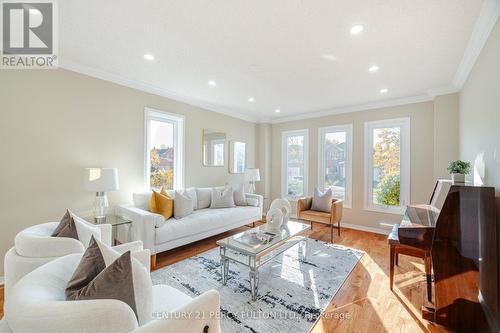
(114, 220)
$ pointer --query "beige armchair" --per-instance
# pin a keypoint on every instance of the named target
(331, 218)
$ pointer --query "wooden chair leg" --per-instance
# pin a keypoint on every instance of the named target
(397, 259)
(331, 233)
(338, 227)
(428, 273)
(391, 266)
(153, 262)
(311, 225)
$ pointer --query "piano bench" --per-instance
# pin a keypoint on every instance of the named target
(396, 249)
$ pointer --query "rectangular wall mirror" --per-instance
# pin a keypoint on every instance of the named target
(214, 148)
(237, 156)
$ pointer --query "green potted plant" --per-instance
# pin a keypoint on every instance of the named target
(458, 170)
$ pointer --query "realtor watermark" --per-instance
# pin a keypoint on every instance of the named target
(29, 34)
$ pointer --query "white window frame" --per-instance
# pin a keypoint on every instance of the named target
(404, 124)
(284, 160)
(322, 131)
(178, 123)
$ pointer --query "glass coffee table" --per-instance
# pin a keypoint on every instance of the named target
(257, 246)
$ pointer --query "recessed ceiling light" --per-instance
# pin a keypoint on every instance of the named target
(373, 68)
(357, 29)
(277, 110)
(251, 99)
(212, 83)
(384, 91)
(329, 57)
(149, 57)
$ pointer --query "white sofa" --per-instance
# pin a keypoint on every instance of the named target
(37, 304)
(158, 235)
(34, 247)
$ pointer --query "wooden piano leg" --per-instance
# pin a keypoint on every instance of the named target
(391, 266)
(428, 273)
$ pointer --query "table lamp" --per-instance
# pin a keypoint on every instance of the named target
(252, 175)
(100, 181)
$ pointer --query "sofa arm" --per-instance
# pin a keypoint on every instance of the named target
(203, 311)
(258, 197)
(303, 204)
(143, 225)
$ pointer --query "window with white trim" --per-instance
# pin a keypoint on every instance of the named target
(294, 163)
(335, 156)
(164, 150)
(387, 165)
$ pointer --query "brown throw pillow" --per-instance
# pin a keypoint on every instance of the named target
(66, 227)
(93, 280)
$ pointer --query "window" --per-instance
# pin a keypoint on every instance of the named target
(335, 156)
(164, 150)
(294, 163)
(387, 161)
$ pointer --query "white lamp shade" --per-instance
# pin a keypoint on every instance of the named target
(252, 175)
(101, 179)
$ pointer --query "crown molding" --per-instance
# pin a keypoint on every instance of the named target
(488, 15)
(149, 88)
(446, 90)
(356, 108)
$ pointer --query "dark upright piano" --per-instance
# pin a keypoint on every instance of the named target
(458, 228)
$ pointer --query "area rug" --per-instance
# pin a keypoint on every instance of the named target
(294, 287)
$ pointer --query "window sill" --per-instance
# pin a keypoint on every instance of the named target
(395, 211)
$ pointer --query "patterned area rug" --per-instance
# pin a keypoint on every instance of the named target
(294, 287)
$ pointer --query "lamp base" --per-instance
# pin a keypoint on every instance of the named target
(100, 207)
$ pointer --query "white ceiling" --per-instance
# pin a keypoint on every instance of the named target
(271, 50)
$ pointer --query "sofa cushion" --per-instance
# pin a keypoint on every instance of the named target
(161, 203)
(239, 195)
(204, 220)
(191, 193)
(204, 196)
(183, 204)
(222, 197)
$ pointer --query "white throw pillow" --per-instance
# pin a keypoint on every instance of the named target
(85, 230)
(143, 286)
(322, 202)
(222, 197)
(183, 204)
(239, 195)
(191, 193)
(204, 195)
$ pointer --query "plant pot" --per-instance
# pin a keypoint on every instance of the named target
(458, 177)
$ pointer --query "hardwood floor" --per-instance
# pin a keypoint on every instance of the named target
(364, 303)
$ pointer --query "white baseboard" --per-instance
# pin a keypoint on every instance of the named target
(365, 228)
(1, 281)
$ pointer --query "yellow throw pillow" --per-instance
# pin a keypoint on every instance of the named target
(161, 204)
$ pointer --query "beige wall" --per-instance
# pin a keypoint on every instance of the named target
(445, 133)
(55, 123)
(422, 155)
(480, 112)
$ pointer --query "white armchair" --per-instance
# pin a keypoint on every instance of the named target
(37, 304)
(34, 247)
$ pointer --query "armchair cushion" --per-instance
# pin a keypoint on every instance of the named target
(315, 216)
(92, 279)
(66, 228)
(322, 202)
